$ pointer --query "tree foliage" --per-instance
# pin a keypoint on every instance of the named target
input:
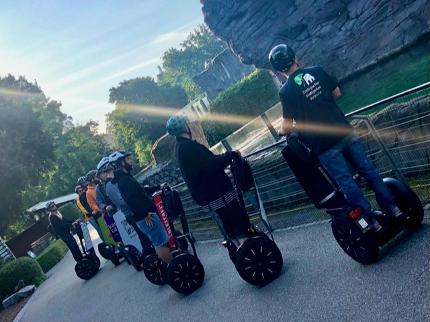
(181, 64)
(42, 151)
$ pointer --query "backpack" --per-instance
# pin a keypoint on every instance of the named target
(172, 203)
(242, 174)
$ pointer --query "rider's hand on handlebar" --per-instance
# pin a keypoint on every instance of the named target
(109, 208)
(148, 219)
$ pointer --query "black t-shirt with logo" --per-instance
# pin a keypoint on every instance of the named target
(307, 98)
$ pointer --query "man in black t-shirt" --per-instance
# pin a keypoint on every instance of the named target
(309, 108)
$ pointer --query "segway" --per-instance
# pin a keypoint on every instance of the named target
(89, 265)
(185, 273)
(111, 247)
(258, 260)
(350, 227)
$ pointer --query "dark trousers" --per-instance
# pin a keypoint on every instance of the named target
(235, 220)
(68, 239)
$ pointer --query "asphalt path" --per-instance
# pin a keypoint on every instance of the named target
(319, 283)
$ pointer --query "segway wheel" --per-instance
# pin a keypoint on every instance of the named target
(360, 247)
(154, 269)
(106, 251)
(185, 274)
(115, 259)
(259, 261)
(97, 260)
(86, 268)
(407, 201)
(133, 256)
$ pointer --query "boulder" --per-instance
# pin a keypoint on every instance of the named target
(18, 296)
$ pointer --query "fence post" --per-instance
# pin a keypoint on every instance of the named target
(382, 145)
(269, 126)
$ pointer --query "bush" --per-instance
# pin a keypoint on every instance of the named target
(70, 211)
(52, 255)
(249, 97)
(23, 268)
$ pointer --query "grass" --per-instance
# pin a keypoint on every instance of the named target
(405, 71)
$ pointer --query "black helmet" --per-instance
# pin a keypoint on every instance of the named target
(282, 57)
(91, 175)
(49, 204)
(81, 181)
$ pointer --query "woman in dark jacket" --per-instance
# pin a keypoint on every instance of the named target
(62, 228)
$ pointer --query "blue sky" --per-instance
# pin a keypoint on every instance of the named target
(77, 50)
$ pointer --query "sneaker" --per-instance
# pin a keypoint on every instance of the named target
(373, 223)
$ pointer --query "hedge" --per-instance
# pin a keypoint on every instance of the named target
(23, 268)
(70, 211)
(52, 255)
(249, 97)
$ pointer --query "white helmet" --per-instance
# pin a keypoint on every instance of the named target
(117, 156)
(101, 166)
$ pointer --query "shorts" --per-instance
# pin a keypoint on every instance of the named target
(156, 234)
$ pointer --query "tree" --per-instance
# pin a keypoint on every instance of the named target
(142, 109)
(180, 65)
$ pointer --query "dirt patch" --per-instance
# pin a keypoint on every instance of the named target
(7, 315)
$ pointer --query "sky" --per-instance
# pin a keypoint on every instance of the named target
(77, 50)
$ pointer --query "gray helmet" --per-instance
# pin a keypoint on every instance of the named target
(49, 204)
(282, 57)
(117, 156)
(103, 165)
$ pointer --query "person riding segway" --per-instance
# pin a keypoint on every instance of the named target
(211, 188)
(323, 135)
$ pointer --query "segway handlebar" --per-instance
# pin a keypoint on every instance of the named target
(271, 146)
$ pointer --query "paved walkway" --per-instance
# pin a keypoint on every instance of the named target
(320, 283)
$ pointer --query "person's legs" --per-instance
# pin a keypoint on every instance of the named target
(235, 221)
(72, 245)
(96, 226)
(158, 236)
(335, 164)
(354, 152)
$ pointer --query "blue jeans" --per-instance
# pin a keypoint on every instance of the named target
(335, 161)
(156, 233)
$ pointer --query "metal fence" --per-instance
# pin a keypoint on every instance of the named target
(5, 252)
(399, 124)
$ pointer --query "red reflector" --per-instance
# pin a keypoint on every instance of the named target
(354, 214)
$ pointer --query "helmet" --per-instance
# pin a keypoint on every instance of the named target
(49, 204)
(282, 57)
(117, 156)
(91, 175)
(176, 125)
(77, 188)
(81, 181)
(103, 165)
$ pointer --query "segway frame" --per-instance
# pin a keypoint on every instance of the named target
(89, 265)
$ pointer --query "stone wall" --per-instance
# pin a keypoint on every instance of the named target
(222, 72)
(342, 35)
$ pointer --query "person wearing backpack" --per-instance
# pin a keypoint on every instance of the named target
(62, 228)
(209, 185)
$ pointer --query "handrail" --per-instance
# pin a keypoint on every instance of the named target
(389, 99)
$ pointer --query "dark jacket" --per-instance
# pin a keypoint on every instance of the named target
(203, 171)
(61, 226)
(134, 195)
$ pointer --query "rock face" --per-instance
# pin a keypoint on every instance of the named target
(342, 35)
(222, 72)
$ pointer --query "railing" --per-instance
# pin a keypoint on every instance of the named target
(5, 252)
(399, 124)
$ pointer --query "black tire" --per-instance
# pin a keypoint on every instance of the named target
(97, 260)
(181, 242)
(185, 274)
(116, 259)
(154, 269)
(106, 251)
(360, 247)
(134, 257)
(86, 268)
(259, 261)
(407, 201)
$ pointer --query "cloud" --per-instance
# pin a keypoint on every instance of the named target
(169, 38)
